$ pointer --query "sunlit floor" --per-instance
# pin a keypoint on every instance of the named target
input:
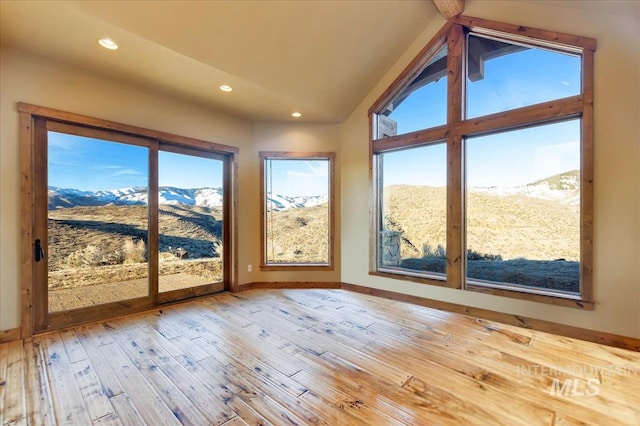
(313, 357)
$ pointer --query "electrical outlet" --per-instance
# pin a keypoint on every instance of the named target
(249, 268)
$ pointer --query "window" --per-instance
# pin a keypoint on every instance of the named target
(297, 210)
(491, 190)
(413, 231)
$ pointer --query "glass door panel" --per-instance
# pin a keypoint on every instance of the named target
(190, 223)
(97, 227)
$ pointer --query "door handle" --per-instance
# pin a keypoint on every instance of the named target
(39, 251)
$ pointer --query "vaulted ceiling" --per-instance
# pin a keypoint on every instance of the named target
(318, 57)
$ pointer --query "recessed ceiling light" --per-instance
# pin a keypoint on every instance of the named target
(107, 43)
(226, 88)
(296, 114)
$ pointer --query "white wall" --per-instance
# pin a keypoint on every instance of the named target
(31, 79)
(617, 160)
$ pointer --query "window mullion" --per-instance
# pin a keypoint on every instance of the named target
(455, 46)
(586, 184)
(153, 238)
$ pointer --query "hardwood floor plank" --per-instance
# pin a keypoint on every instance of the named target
(14, 399)
(214, 410)
(264, 403)
(72, 345)
(247, 355)
(95, 397)
(219, 387)
(313, 357)
(183, 408)
(108, 377)
(147, 402)
(4, 358)
(67, 399)
(37, 387)
(126, 411)
(277, 349)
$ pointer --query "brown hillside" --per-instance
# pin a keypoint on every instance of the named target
(298, 235)
(512, 226)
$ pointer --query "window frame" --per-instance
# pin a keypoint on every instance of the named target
(453, 34)
(35, 121)
(290, 155)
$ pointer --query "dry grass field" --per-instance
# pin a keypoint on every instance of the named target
(298, 235)
(97, 245)
(512, 238)
(513, 226)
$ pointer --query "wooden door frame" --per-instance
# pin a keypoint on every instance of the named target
(28, 115)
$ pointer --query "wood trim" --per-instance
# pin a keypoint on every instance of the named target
(412, 69)
(10, 335)
(586, 175)
(482, 25)
(153, 227)
(190, 292)
(402, 275)
(449, 8)
(374, 203)
(26, 223)
(533, 297)
(431, 135)
(231, 222)
(608, 339)
(64, 319)
(455, 113)
(88, 132)
(455, 216)
(169, 138)
(40, 228)
(544, 113)
(288, 284)
(263, 212)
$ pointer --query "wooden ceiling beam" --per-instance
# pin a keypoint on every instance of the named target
(449, 8)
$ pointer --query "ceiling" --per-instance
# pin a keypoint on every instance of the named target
(319, 57)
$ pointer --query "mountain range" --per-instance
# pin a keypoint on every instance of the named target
(202, 197)
(563, 188)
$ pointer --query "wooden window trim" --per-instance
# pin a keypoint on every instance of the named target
(331, 156)
(34, 119)
(458, 128)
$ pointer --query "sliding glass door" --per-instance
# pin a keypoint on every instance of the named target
(97, 221)
(190, 223)
(123, 223)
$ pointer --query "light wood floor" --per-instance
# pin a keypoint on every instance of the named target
(302, 357)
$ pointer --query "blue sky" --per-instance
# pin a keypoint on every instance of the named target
(507, 159)
(89, 164)
(293, 177)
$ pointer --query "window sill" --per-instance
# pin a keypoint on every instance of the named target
(570, 302)
(402, 275)
(299, 267)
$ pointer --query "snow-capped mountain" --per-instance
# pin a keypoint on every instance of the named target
(202, 197)
(281, 202)
(563, 187)
(67, 197)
